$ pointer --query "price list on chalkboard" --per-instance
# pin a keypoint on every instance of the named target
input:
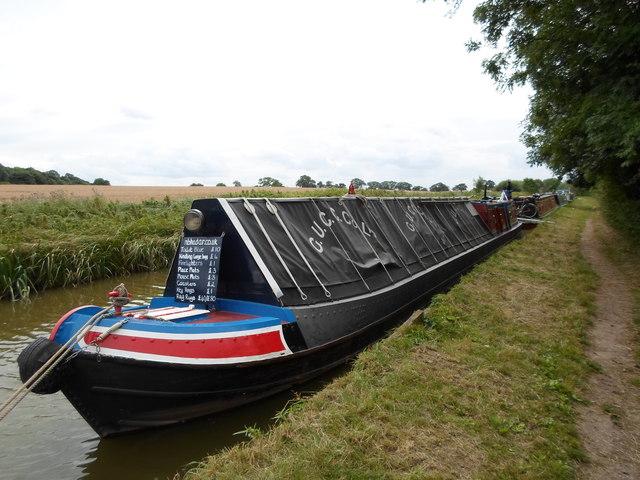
(198, 268)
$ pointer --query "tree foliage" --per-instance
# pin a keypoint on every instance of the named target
(388, 185)
(403, 186)
(581, 58)
(516, 186)
(305, 181)
(438, 187)
(532, 185)
(358, 183)
(479, 184)
(551, 184)
(31, 176)
(269, 182)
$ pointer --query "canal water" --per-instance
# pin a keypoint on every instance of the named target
(44, 437)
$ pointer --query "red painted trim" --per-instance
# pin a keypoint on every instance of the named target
(53, 333)
(242, 346)
(220, 316)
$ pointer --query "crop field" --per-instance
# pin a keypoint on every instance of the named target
(12, 193)
(130, 194)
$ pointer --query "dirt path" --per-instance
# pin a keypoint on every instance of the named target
(610, 422)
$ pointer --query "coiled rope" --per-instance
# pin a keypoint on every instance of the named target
(52, 363)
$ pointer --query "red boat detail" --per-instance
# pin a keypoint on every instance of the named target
(205, 348)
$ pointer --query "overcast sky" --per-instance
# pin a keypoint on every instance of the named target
(176, 92)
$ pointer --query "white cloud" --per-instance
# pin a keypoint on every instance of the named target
(167, 92)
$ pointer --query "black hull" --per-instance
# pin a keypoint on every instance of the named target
(117, 395)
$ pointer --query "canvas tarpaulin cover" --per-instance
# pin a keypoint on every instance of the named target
(320, 249)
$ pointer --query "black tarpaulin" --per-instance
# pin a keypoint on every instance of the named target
(332, 248)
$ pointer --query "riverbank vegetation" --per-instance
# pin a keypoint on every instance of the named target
(59, 241)
(484, 384)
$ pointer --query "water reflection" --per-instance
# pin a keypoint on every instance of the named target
(44, 437)
(161, 452)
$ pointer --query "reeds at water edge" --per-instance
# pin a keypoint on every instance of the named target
(60, 241)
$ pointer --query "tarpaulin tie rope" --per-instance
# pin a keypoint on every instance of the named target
(252, 210)
(369, 243)
(340, 243)
(272, 208)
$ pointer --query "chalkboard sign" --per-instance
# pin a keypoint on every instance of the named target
(198, 265)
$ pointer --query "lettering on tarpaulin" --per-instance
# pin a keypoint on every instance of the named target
(198, 269)
(326, 221)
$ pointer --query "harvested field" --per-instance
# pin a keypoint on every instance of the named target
(12, 193)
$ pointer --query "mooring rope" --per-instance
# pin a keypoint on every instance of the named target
(52, 363)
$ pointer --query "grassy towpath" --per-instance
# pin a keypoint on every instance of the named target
(484, 383)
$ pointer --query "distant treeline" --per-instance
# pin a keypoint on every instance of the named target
(530, 185)
(31, 176)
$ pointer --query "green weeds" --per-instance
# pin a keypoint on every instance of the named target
(61, 241)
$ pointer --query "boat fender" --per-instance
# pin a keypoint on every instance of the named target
(33, 357)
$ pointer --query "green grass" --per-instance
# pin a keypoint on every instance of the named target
(61, 241)
(485, 385)
(622, 212)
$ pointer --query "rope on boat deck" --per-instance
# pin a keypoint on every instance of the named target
(50, 364)
(110, 330)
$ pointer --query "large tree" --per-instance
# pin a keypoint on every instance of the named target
(358, 183)
(480, 183)
(403, 186)
(269, 182)
(581, 58)
(305, 181)
(439, 187)
(532, 185)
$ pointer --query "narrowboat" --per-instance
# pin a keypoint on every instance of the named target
(536, 206)
(263, 294)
